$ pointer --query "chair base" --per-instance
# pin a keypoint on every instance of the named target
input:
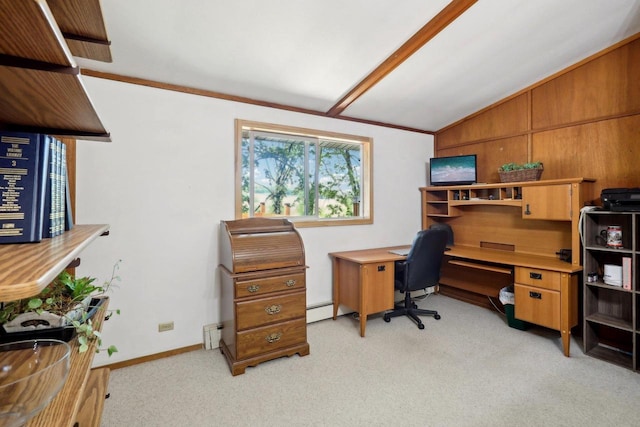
(410, 309)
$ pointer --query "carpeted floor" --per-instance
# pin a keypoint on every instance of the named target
(467, 369)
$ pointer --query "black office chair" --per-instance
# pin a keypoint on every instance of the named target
(420, 270)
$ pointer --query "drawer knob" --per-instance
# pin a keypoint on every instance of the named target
(536, 276)
(536, 295)
(290, 283)
(273, 309)
(253, 288)
(274, 337)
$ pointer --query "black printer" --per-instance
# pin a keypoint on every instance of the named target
(621, 199)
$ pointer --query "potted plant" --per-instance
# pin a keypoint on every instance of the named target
(64, 308)
(517, 172)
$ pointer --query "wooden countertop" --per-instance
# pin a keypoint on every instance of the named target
(373, 255)
(518, 259)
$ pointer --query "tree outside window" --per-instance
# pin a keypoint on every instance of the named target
(310, 177)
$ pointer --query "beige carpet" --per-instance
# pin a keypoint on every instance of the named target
(467, 369)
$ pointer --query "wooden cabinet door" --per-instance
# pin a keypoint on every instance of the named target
(547, 202)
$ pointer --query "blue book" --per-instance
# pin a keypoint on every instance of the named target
(47, 226)
(20, 169)
(55, 203)
(42, 219)
(68, 223)
(62, 219)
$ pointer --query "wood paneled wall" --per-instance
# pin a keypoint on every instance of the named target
(582, 122)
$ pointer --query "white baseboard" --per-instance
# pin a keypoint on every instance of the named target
(324, 312)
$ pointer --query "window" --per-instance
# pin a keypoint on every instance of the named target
(311, 177)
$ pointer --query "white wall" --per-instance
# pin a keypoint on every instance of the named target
(165, 183)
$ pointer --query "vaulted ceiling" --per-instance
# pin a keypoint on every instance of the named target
(415, 64)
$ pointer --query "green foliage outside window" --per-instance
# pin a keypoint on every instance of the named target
(300, 176)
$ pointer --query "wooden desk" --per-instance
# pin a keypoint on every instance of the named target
(546, 288)
(363, 281)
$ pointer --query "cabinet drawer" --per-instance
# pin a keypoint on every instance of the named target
(537, 305)
(257, 312)
(539, 278)
(269, 338)
(265, 285)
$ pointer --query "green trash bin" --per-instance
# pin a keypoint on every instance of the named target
(508, 300)
(511, 318)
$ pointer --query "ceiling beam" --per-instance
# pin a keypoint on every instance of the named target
(419, 39)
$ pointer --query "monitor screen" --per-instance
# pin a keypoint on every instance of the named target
(454, 170)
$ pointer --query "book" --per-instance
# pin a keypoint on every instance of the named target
(47, 228)
(63, 187)
(68, 213)
(68, 223)
(20, 170)
(626, 272)
(42, 219)
(56, 189)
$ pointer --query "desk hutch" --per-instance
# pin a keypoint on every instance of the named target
(44, 94)
(511, 233)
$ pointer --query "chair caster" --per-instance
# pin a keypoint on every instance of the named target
(437, 317)
(414, 305)
(420, 326)
(386, 318)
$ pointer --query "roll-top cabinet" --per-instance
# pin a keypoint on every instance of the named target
(611, 287)
(263, 278)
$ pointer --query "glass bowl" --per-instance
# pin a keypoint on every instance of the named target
(31, 374)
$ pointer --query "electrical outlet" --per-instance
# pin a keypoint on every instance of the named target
(163, 327)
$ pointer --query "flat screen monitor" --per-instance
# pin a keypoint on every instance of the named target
(454, 170)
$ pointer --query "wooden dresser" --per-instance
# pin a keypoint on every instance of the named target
(263, 295)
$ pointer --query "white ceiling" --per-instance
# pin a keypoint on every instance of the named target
(310, 53)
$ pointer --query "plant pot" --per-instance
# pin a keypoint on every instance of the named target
(521, 175)
(33, 321)
(64, 332)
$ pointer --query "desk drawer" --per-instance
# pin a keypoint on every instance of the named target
(266, 285)
(257, 312)
(539, 278)
(270, 338)
(537, 305)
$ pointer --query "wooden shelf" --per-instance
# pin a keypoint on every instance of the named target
(28, 267)
(43, 90)
(29, 31)
(516, 203)
(83, 28)
(614, 322)
(64, 408)
(611, 355)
